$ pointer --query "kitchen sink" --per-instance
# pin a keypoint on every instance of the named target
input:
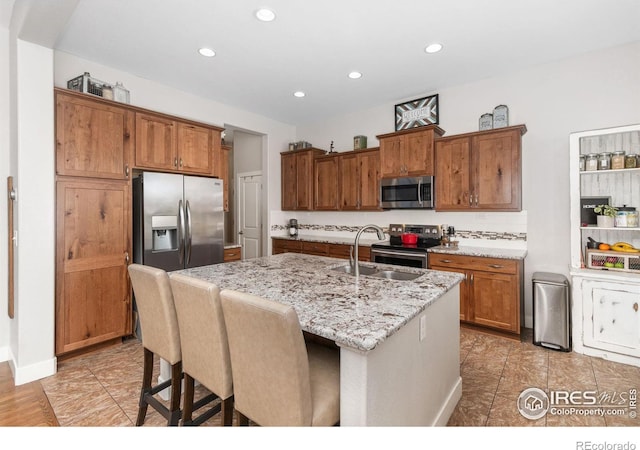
(396, 275)
(374, 272)
(364, 270)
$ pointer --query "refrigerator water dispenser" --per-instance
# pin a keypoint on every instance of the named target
(164, 230)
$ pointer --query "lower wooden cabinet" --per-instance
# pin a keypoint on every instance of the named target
(491, 294)
(93, 244)
(232, 254)
(318, 248)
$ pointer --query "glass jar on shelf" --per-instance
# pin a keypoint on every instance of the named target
(583, 163)
(617, 160)
(604, 161)
(591, 162)
(631, 161)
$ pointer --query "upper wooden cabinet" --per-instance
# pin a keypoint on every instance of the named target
(359, 180)
(297, 179)
(93, 137)
(325, 176)
(480, 171)
(166, 143)
(409, 152)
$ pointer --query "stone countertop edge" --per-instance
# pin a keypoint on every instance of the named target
(330, 240)
(487, 252)
(358, 314)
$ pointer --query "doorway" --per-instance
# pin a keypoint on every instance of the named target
(250, 214)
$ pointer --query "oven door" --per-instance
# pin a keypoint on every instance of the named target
(399, 257)
(407, 193)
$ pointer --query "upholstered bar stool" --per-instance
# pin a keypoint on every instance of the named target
(160, 336)
(205, 350)
(278, 379)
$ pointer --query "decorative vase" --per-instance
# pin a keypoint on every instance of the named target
(605, 221)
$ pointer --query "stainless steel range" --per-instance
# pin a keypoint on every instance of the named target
(394, 251)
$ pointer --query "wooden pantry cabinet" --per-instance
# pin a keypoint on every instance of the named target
(168, 144)
(491, 295)
(480, 171)
(325, 179)
(93, 248)
(297, 179)
(409, 152)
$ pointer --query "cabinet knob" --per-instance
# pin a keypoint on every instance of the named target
(175, 162)
(181, 163)
(126, 257)
(635, 306)
(126, 170)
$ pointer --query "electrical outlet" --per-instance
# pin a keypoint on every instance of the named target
(423, 327)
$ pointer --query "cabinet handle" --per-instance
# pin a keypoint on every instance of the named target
(496, 266)
(126, 257)
(472, 278)
(127, 135)
(126, 170)
(635, 306)
(181, 163)
(471, 199)
(175, 162)
(476, 199)
(445, 261)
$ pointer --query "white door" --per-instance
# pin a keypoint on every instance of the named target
(250, 214)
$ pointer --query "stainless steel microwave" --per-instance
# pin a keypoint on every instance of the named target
(407, 193)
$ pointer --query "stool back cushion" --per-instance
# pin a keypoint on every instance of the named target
(158, 321)
(203, 335)
(268, 359)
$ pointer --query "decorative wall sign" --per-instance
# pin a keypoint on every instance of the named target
(417, 113)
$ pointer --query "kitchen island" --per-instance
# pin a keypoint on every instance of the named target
(398, 339)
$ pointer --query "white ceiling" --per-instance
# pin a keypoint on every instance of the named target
(313, 45)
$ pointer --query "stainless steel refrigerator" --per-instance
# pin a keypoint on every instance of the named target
(178, 220)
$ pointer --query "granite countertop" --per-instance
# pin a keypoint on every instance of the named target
(354, 313)
(488, 252)
(331, 240)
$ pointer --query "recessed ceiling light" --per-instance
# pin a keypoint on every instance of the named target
(299, 94)
(206, 52)
(433, 48)
(355, 75)
(265, 15)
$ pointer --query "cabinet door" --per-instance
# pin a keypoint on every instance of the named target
(195, 149)
(611, 317)
(418, 154)
(464, 290)
(225, 154)
(494, 300)
(289, 176)
(156, 146)
(369, 180)
(304, 181)
(326, 184)
(452, 174)
(93, 243)
(391, 156)
(349, 182)
(496, 174)
(92, 138)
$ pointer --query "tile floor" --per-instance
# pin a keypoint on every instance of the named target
(102, 389)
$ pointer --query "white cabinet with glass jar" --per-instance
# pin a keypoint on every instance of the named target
(605, 282)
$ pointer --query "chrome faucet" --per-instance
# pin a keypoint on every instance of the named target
(354, 260)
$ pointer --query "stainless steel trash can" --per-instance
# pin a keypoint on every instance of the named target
(551, 311)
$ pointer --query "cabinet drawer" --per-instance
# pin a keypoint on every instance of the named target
(232, 254)
(285, 245)
(315, 248)
(498, 265)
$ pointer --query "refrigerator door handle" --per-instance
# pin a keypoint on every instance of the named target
(181, 233)
(188, 235)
